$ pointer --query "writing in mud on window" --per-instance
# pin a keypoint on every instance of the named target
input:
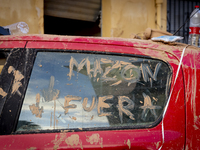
(87, 90)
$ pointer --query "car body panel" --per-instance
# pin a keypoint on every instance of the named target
(12, 44)
(191, 69)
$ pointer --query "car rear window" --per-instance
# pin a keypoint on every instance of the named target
(94, 91)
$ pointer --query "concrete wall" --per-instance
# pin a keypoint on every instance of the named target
(29, 11)
(121, 18)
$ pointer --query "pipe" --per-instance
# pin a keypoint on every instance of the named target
(159, 12)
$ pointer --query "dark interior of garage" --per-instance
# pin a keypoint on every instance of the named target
(72, 17)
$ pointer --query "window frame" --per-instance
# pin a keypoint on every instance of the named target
(22, 60)
(34, 54)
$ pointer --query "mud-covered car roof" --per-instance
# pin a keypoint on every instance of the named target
(102, 40)
(172, 48)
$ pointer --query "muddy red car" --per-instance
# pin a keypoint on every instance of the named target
(62, 92)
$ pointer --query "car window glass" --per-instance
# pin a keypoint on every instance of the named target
(77, 90)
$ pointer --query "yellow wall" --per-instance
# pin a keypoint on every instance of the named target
(29, 11)
(121, 18)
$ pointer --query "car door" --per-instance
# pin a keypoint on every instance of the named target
(86, 95)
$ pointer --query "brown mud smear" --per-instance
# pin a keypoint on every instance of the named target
(35, 108)
(17, 79)
(129, 143)
(72, 140)
(2, 93)
(95, 139)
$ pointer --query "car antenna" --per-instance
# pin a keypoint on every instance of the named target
(185, 22)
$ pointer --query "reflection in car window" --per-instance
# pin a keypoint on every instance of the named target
(76, 90)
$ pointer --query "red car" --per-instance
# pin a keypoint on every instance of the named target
(62, 92)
